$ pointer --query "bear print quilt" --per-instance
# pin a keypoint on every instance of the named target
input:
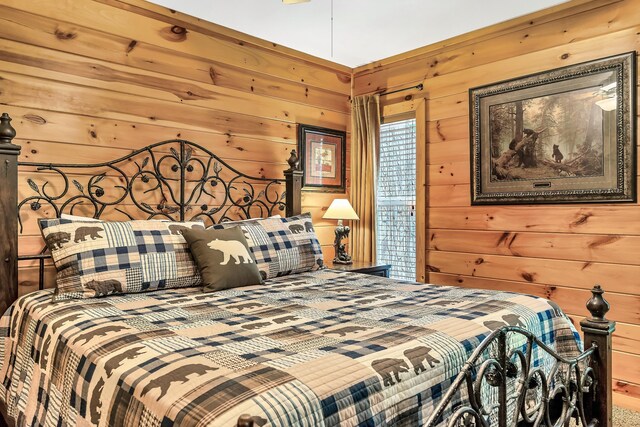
(323, 348)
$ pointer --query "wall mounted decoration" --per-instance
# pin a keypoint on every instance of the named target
(323, 154)
(561, 136)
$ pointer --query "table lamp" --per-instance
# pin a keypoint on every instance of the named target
(341, 209)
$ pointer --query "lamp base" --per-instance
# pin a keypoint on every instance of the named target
(342, 257)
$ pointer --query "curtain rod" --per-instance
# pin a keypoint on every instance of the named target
(419, 87)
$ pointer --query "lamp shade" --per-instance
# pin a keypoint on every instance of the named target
(340, 209)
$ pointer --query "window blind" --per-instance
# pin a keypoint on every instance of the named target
(396, 198)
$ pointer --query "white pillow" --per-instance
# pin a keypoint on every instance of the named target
(240, 221)
(78, 218)
(91, 219)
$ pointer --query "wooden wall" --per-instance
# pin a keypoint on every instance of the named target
(90, 80)
(558, 252)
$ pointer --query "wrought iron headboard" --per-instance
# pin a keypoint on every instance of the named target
(166, 168)
(174, 179)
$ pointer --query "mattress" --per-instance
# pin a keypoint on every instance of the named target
(317, 349)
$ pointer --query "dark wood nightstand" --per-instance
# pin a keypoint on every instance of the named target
(374, 269)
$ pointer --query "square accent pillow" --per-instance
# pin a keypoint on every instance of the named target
(98, 258)
(282, 246)
(223, 258)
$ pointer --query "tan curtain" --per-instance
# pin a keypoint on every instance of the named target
(365, 136)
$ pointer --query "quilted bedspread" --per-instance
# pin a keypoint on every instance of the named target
(317, 349)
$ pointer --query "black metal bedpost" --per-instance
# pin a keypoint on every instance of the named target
(8, 214)
(293, 178)
(598, 330)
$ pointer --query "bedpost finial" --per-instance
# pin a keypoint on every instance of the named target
(7, 132)
(597, 305)
(294, 161)
(245, 420)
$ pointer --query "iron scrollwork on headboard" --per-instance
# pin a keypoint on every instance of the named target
(175, 179)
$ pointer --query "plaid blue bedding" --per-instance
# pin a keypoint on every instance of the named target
(324, 348)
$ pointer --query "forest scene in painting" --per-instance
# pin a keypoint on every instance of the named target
(553, 136)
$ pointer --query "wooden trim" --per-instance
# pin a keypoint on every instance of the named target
(400, 110)
(421, 189)
(398, 117)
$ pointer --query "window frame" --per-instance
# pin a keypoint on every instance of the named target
(415, 108)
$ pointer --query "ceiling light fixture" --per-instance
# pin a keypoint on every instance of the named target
(332, 28)
(307, 1)
(610, 102)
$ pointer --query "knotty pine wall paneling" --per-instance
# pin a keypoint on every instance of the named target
(557, 252)
(92, 80)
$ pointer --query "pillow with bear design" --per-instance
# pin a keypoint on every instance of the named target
(282, 246)
(98, 258)
(223, 258)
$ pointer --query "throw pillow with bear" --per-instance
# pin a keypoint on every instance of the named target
(223, 258)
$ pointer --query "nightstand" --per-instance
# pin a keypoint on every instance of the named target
(374, 269)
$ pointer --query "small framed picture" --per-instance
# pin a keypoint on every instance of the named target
(561, 136)
(323, 154)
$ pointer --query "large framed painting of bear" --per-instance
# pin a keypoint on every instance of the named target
(561, 136)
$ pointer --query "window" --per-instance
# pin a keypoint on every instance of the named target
(396, 198)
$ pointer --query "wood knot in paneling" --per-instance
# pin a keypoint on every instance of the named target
(174, 33)
(131, 45)
(548, 291)
(582, 219)
(33, 118)
(506, 240)
(603, 241)
(529, 277)
(65, 35)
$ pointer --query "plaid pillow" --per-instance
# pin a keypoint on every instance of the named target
(282, 246)
(98, 258)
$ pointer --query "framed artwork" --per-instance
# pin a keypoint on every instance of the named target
(561, 136)
(323, 154)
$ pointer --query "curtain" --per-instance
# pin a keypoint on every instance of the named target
(365, 136)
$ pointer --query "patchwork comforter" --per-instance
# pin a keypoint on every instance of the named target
(318, 349)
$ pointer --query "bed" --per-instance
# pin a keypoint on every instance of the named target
(308, 349)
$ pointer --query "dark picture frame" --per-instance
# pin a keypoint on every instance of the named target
(323, 154)
(561, 136)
